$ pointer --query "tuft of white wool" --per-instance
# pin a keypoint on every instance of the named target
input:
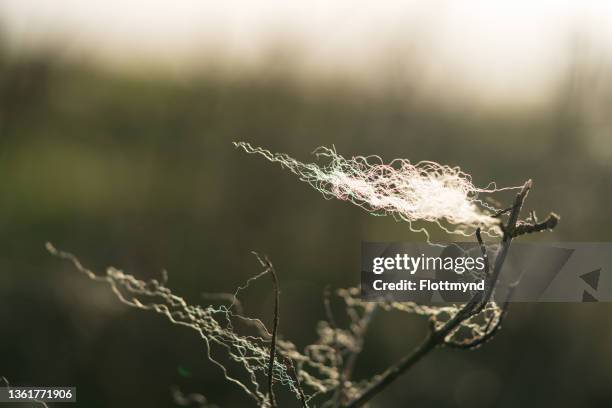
(425, 191)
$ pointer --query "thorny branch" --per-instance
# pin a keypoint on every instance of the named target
(438, 337)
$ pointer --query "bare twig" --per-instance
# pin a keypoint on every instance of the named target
(269, 268)
(508, 231)
(438, 336)
(483, 251)
(274, 333)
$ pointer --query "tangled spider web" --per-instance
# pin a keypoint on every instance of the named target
(425, 191)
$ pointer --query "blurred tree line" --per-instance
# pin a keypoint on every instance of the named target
(137, 170)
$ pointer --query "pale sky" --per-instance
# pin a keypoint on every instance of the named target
(499, 49)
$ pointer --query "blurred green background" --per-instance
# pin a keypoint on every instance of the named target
(136, 169)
